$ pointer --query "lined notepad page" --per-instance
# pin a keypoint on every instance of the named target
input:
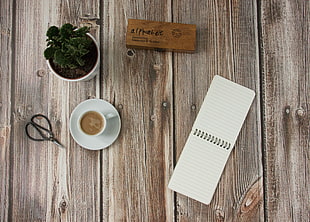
(211, 140)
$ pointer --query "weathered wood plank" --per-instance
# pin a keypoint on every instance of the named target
(29, 168)
(285, 52)
(136, 168)
(6, 18)
(226, 45)
(77, 196)
(50, 184)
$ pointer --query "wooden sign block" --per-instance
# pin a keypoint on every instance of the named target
(145, 34)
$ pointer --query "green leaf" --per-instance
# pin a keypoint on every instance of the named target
(72, 66)
(67, 46)
(66, 30)
(49, 52)
(83, 52)
(81, 31)
(76, 41)
(52, 32)
(88, 41)
(80, 61)
(72, 49)
(61, 59)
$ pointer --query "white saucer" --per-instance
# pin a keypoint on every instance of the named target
(107, 137)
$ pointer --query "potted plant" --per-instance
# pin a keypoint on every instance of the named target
(72, 53)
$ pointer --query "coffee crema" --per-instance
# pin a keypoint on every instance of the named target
(92, 123)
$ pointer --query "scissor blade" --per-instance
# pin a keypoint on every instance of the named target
(58, 143)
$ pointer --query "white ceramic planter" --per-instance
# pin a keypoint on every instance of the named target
(90, 75)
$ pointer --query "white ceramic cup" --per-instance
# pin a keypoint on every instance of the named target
(104, 120)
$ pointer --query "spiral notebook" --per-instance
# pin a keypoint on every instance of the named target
(211, 139)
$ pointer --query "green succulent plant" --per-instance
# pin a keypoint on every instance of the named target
(67, 45)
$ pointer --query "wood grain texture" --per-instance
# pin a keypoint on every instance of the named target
(28, 160)
(77, 196)
(136, 168)
(6, 8)
(49, 184)
(227, 46)
(158, 95)
(285, 53)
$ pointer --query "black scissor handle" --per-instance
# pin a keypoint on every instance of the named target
(40, 129)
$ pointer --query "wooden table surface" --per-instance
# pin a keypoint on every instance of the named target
(263, 45)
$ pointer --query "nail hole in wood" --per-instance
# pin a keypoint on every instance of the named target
(130, 52)
(63, 206)
(165, 104)
(153, 118)
(300, 112)
(41, 73)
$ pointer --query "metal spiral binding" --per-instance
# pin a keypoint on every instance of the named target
(212, 139)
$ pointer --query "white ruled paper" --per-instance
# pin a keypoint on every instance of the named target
(211, 140)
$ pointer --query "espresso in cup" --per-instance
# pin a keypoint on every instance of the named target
(92, 123)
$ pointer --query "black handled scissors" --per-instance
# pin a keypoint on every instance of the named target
(46, 134)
